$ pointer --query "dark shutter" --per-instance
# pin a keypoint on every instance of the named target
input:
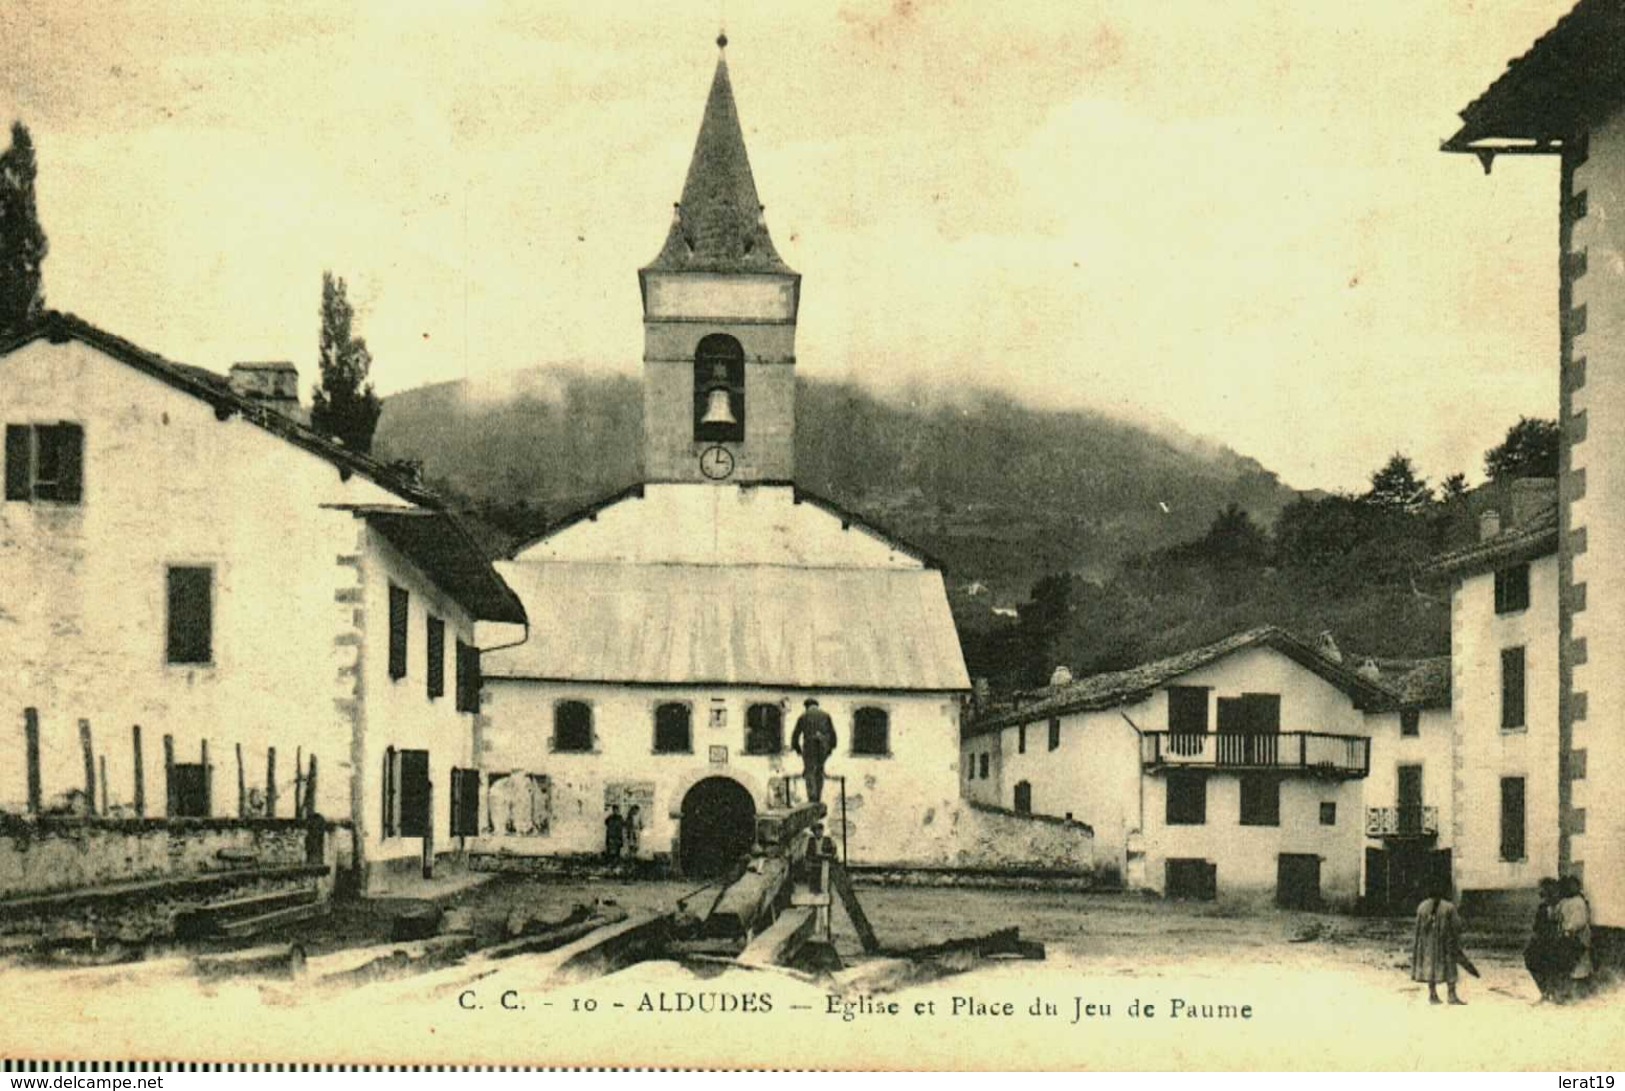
(1512, 818)
(871, 731)
(1024, 797)
(468, 678)
(391, 776)
(18, 474)
(1512, 688)
(414, 789)
(465, 802)
(436, 647)
(673, 729)
(71, 463)
(1186, 803)
(398, 603)
(191, 615)
(1260, 801)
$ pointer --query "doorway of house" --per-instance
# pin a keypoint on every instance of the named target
(716, 829)
(1297, 881)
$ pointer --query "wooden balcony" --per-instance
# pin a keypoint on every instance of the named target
(1400, 823)
(1313, 753)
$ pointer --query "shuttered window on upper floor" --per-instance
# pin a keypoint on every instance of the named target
(45, 462)
(399, 608)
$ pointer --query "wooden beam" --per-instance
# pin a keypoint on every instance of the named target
(842, 882)
(747, 905)
(298, 781)
(242, 785)
(169, 776)
(31, 732)
(310, 789)
(101, 761)
(783, 828)
(270, 782)
(611, 947)
(89, 753)
(140, 772)
(778, 944)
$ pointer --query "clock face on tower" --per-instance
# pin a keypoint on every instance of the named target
(716, 463)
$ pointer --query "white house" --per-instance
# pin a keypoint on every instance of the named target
(1410, 792)
(1564, 98)
(1504, 706)
(679, 626)
(1232, 769)
(204, 605)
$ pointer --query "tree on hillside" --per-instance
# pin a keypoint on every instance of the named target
(1398, 487)
(1529, 450)
(22, 241)
(1234, 539)
(1454, 488)
(344, 405)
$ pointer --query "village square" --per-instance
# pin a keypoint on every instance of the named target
(290, 718)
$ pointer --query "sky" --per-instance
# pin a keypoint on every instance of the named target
(1232, 218)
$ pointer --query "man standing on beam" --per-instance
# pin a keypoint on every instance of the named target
(814, 739)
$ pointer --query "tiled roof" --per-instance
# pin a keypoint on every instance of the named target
(1418, 683)
(215, 389)
(719, 227)
(1570, 78)
(1103, 691)
(773, 626)
(438, 543)
(1535, 538)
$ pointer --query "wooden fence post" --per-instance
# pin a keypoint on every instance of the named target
(208, 779)
(31, 730)
(169, 776)
(298, 781)
(270, 782)
(242, 785)
(106, 802)
(428, 834)
(140, 773)
(90, 766)
(310, 789)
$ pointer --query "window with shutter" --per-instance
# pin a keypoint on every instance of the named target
(1512, 818)
(1512, 689)
(572, 727)
(399, 602)
(391, 815)
(468, 678)
(435, 648)
(465, 802)
(45, 462)
(413, 792)
(190, 620)
(764, 729)
(871, 732)
(673, 729)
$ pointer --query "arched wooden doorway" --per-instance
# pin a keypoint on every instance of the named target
(717, 827)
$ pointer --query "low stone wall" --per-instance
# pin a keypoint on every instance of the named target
(979, 837)
(49, 855)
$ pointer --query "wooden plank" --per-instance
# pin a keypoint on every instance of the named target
(276, 919)
(608, 948)
(101, 768)
(278, 960)
(173, 886)
(31, 731)
(140, 772)
(89, 753)
(310, 790)
(553, 938)
(778, 944)
(746, 905)
(242, 785)
(782, 829)
(842, 882)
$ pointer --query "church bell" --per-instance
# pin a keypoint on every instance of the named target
(718, 399)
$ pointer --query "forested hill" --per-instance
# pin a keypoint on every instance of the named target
(1001, 492)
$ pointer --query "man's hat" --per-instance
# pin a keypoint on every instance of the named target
(811, 702)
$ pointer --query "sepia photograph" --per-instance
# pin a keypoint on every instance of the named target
(858, 535)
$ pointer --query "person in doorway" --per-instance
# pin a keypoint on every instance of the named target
(814, 739)
(634, 822)
(1437, 945)
(614, 832)
(1574, 943)
(1543, 953)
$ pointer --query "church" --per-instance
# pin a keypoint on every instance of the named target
(678, 629)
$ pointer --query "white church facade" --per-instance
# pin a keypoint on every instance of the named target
(678, 629)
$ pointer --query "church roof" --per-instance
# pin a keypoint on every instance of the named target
(719, 227)
(771, 626)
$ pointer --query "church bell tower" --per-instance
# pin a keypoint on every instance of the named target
(719, 322)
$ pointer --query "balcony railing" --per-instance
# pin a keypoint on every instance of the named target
(1406, 821)
(1311, 752)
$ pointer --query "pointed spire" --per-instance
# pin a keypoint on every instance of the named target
(719, 225)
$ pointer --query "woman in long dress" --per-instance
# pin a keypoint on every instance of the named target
(1433, 952)
(1574, 918)
(1543, 955)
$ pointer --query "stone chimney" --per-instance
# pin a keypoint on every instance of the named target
(1061, 676)
(409, 471)
(1489, 524)
(1369, 669)
(273, 384)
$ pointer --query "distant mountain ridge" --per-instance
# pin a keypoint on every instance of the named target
(1001, 492)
